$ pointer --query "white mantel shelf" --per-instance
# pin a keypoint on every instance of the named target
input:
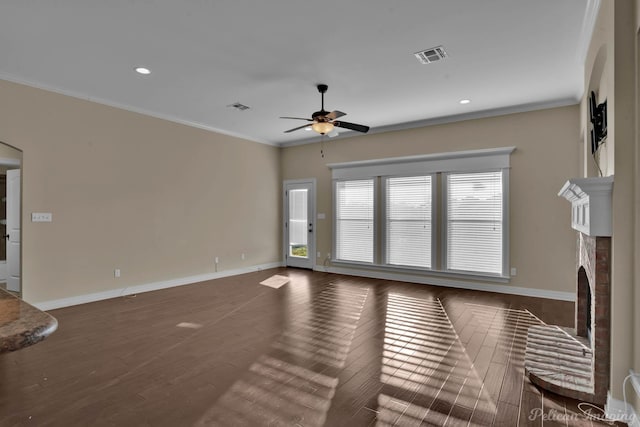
(590, 200)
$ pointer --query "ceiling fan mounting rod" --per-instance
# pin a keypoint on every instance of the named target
(322, 88)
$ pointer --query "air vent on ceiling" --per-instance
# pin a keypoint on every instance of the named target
(238, 106)
(431, 55)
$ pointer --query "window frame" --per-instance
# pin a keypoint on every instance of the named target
(439, 164)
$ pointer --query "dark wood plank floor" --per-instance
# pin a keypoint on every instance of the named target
(324, 350)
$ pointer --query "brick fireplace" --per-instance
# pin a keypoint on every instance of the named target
(576, 362)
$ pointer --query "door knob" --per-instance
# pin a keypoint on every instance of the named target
(6, 236)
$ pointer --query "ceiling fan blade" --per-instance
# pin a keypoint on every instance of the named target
(297, 118)
(335, 114)
(299, 127)
(352, 126)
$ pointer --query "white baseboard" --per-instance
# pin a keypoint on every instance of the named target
(148, 287)
(452, 283)
(436, 281)
(617, 410)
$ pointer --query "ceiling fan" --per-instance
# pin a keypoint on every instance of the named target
(323, 121)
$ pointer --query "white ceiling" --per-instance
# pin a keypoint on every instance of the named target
(504, 55)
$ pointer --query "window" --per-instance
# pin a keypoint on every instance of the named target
(354, 220)
(474, 222)
(468, 236)
(408, 221)
(298, 234)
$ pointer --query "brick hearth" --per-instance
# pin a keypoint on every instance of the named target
(558, 360)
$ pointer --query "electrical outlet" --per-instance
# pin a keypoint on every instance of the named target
(116, 272)
(328, 255)
(216, 260)
(514, 272)
(41, 217)
(242, 257)
(319, 255)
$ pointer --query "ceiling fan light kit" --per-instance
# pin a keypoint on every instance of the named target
(323, 121)
(322, 127)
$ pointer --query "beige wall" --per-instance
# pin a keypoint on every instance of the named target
(612, 69)
(7, 152)
(548, 145)
(599, 77)
(623, 195)
(636, 330)
(154, 198)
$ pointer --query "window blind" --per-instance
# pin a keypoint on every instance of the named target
(474, 223)
(354, 220)
(408, 221)
(298, 218)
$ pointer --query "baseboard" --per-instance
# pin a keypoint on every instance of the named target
(436, 281)
(148, 287)
(618, 410)
(452, 283)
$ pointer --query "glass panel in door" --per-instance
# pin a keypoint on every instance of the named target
(298, 221)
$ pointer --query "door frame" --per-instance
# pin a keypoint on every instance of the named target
(285, 216)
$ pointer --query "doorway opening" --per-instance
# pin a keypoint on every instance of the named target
(10, 219)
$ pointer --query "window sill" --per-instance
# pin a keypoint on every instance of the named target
(424, 272)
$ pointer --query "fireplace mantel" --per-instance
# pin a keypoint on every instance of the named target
(590, 200)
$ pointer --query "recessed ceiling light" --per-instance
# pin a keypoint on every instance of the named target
(143, 71)
(465, 101)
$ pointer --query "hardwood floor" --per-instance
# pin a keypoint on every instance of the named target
(323, 350)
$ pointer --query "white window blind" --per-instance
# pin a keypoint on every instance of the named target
(354, 220)
(408, 221)
(297, 219)
(474, 223)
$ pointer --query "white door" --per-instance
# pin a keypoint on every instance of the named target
(299, 225)
(13, 230)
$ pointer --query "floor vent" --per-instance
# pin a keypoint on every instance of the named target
(275, 281)
(431, 55)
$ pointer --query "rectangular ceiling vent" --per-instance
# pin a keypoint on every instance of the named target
(431, 55)
(238, 106)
